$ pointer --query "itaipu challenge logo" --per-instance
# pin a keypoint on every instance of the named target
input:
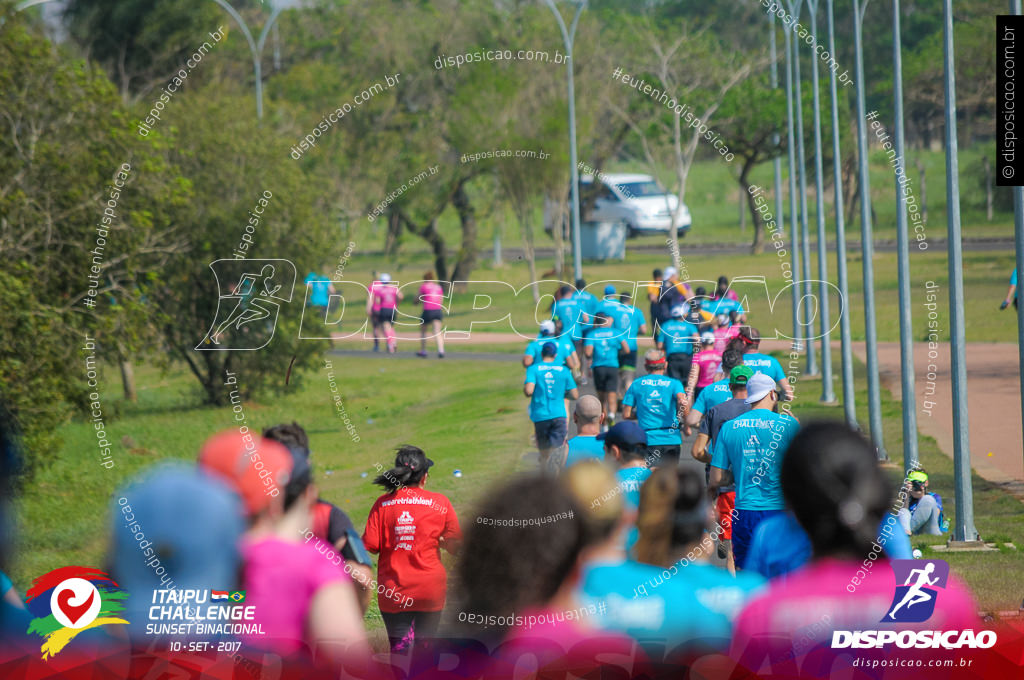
(69, 600)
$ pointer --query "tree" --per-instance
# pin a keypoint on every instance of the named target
(72, 231)
(697, 85)
(749, 131)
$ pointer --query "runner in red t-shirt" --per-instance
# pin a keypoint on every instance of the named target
(408, 526)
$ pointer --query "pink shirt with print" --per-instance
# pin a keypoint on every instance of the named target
(432, 294)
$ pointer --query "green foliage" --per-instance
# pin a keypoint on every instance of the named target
(141, 41)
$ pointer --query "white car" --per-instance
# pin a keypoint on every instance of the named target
(637, 200)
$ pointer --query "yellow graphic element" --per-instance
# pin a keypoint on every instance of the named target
(58, 639)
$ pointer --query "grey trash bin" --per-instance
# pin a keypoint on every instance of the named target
(603, 240)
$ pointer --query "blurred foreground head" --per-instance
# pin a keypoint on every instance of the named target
(527, 539)
(832, 481)
(673, 514)
(174, 528)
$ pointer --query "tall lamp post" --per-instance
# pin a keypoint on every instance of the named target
(849, 394)
(805, 246)
(794, 233)
(569, 37)
(964, 530)
(1018, 233)
(866, 245)
(828, 396)
(255, 47)
(909, 398)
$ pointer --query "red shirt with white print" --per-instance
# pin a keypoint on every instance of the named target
(406, 527)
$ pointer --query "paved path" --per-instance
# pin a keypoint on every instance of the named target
(993, 394)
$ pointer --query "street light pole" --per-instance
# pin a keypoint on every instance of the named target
(909, 398)
(828, 396)
(255, 47)
(849, 393)
(569, 37)
(964, 529)
(866, 245)
(805, 246)
(777, 161)
(793, 231)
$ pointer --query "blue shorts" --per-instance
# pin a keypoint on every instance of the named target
(551, 433)
(743, 524)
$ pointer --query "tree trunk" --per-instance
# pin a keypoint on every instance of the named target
(924, 192)
(434, 239)
(988, 189)
(757, 246)
(466, 258)
(127, 375)
(526, 228)
(394, 235)
(743, 214)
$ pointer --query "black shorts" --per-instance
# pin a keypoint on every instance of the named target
(662, 454)
(386, 315)
(679, 366)
(551, 433)
(627, 360)
(431, 315)
(606, 378)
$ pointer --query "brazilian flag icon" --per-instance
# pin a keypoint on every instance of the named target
(237, 596)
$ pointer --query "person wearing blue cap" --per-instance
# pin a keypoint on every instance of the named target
(549, 333)
(547, 384)
(625, 445)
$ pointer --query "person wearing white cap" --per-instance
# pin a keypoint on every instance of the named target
(385, 298)
(548, 333)
(704, 366)
(678, 339)
(749, 450)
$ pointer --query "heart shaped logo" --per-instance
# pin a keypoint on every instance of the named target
(78, 615)
(73, 612)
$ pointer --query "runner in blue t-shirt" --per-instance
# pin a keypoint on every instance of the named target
(320, 289)
(657, 403)
(637, 327)
(589, 304)
(547, 384)
(603, 345)
(679, 339)
(566, 351)
(677, 606)
(750, 340)
(570, 311)
(725, 306)
(588, 418)
(749, 448)
(625, 446)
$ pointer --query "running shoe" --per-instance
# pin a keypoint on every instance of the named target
(421, 354)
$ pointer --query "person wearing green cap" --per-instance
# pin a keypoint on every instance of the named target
(709, 427)
(923, 511)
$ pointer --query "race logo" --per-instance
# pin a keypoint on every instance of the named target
(914, 601)
(69, 600)
(250, 293)
(233, 595)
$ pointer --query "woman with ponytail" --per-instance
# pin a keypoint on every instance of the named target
(670, 599)
(835, 487)
(408, 526)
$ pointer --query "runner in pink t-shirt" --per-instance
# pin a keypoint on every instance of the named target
(705, 365)
(386, 297)
(372, 309)
(432, 295)
(839, 494)
(725, 332)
